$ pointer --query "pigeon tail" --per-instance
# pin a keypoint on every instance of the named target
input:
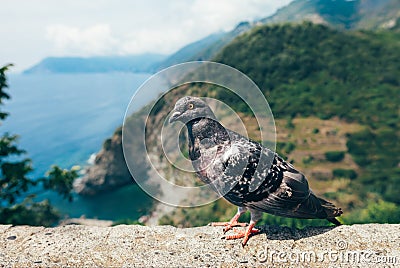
(332, 211)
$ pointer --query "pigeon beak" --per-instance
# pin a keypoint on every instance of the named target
(174, 117)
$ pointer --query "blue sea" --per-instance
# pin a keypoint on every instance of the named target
(62, 119)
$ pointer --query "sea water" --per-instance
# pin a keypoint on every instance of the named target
(63, 119)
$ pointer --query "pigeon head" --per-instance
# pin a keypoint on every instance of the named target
(189, 108)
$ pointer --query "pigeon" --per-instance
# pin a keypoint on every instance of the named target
(246, 173)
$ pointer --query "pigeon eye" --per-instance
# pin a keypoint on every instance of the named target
(190, 106)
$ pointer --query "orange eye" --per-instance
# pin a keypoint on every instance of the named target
(191, 106)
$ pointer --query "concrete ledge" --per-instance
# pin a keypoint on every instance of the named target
(369, 245)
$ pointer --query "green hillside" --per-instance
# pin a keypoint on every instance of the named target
(307, 70)
(351, 82)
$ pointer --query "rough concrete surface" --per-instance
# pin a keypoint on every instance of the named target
(369, 245)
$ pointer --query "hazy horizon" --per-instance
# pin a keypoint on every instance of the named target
(36, 30)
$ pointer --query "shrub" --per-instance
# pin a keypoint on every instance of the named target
(307, 160)
(289, 147)
(334, 156)
(107, 144)
(377, 211)
(345, 173)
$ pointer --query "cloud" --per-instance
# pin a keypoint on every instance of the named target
(172, 25)
(100, 40)
(94, 40)
(151, 40)
(42, 28)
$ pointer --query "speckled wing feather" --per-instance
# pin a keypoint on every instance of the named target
(276, 188)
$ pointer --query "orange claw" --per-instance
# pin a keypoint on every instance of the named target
(246, 234)
(233, 224)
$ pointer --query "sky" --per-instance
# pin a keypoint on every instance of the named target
(34, 29)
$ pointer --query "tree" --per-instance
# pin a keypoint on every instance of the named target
(17, 206)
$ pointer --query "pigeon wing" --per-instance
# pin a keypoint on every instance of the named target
(292, 198)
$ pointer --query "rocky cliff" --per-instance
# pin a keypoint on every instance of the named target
(370, 245)
(109, 170)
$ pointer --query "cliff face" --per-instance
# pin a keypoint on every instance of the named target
(370, 245)
(109, 170)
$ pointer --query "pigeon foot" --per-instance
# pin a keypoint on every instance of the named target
(244, 233)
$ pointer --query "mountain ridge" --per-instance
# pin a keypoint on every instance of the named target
(98, 64)
(340, 14)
